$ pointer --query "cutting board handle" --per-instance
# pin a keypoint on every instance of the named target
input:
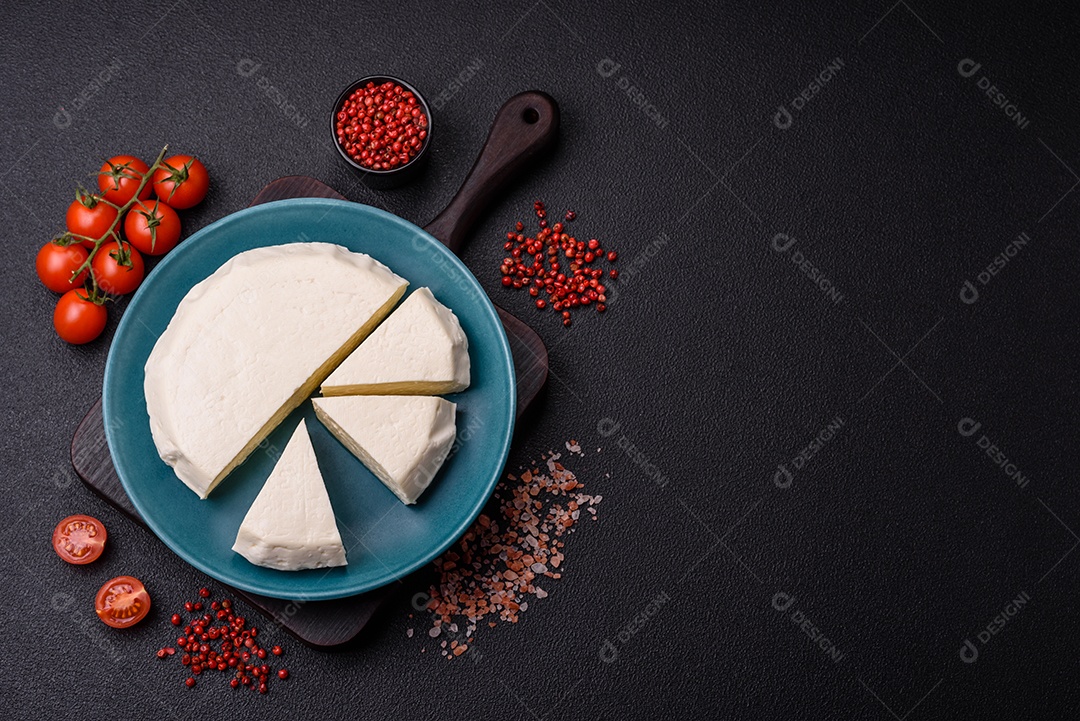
(526, 125)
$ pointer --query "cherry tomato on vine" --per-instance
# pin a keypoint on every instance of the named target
(118, 269)
(79, 539)
(152, 227)
(56, 264)
(183, 183)
(122, 602)
(120, 176)
(78, 319)
(93, 221)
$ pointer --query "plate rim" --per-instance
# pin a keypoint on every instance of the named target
(387, 577)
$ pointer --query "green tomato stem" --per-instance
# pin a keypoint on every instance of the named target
(113, 232)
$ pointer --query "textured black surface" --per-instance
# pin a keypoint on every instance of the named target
(719, 359)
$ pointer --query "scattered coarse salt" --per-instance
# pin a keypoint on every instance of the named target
(493, 568)
(409, 633)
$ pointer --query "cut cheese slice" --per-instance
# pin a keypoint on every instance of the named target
(401, 439)
(248, 344)
(291, 526)
(419, 350)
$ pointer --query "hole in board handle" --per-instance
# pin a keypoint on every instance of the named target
(530, 115)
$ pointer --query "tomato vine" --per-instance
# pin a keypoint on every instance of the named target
(90, 200)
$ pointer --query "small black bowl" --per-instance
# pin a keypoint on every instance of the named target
(383, 179)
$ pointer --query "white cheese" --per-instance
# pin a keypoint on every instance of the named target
(419, 350)
(291, 526)
(401, 439)
(248, 344)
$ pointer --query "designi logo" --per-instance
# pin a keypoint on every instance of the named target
(783, 119)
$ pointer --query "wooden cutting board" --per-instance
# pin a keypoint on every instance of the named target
(525, 127)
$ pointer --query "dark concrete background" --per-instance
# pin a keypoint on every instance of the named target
(898, 180)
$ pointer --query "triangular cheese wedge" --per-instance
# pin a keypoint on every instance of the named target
(419, 350)
(401, 439)
(250, 343)
(291, 525)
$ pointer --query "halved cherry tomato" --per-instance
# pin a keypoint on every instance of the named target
(93, 221)
(79, 539)
(120, 176)
(57, 263)
(122, 602)
(183, 182)
(78, 319)
(152, 227)
(118, 269)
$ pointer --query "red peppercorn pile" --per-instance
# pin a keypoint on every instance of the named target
(536, 263)
(381, 126)
(219, 640)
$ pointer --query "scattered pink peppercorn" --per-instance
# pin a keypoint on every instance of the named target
(536, 262)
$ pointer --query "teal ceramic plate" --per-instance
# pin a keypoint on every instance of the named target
(384, 539)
